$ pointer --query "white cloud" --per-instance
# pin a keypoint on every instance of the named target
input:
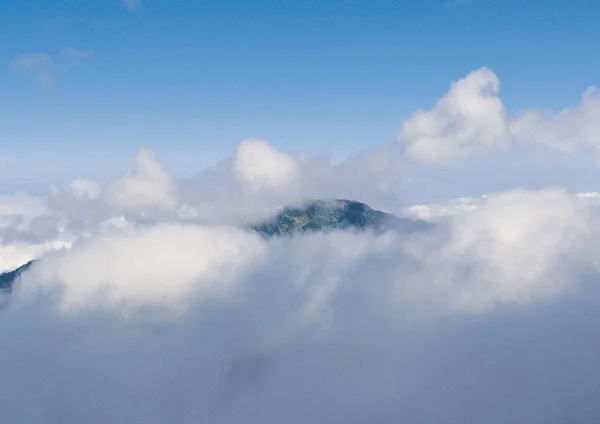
(261, 166)
(171, 261)
(514, 245)
(86, 188)
(14, 255)
(470, 118)
(260, 179)
(440, 211)
(570, 130)
(21, 204)
(149, 186)
(27, 230)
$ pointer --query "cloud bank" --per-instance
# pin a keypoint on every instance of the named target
(152, 302)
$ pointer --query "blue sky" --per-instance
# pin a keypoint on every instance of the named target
(193, 78)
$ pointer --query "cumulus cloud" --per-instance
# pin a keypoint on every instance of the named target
(517, 246)
(28, 229)
(171, 262)
(260, 179)
(149, 186)
(86, 188)
(569, 130)
(471, 119)
(261, 166)
(32, 226)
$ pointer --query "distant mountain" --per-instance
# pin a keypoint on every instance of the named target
(335, 214)
(317, 215)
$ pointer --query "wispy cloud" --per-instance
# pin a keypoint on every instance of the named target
(38, 65)
(76, 55)
(131, 4)
(31, 61)
(456, 3)
(43, 67)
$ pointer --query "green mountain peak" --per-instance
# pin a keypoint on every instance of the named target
(334, 214)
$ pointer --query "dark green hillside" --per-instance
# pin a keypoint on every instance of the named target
(8, 278)
(338, 214)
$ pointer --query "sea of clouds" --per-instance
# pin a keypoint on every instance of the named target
(151, 303)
